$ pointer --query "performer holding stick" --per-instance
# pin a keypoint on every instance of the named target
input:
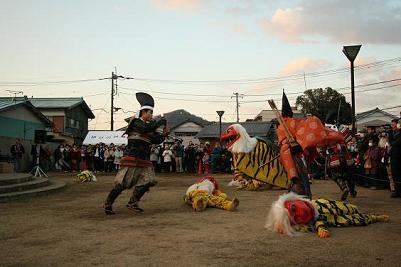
(136, 168)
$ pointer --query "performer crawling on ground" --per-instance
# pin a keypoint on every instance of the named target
(205, 193)
(292, 214)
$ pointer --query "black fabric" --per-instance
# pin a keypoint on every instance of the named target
(145, 99)
(286, 110)
(139, 191)
(146, 135)
(395, 159)
(114, 193)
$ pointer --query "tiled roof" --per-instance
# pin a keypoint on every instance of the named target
(177, 117)
(370, 112)
(7, 102)
(62, 103)
(254, 128)
(13, 102)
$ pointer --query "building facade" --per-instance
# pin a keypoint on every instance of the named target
(374, 118)
(19, 119)
(68, 115)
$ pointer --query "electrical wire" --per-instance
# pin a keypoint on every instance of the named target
(300, 76)
(49, 82)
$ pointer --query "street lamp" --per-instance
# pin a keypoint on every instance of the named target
(351, 52)
(220, 113)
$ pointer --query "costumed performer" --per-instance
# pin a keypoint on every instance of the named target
(136, 168)
(292, 214)
(205, 193)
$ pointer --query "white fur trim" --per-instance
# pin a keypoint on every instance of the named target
(205, 185)
(278, 214)
(245, 143)
(146, 107)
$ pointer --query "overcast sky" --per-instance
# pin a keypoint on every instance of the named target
(193, 54)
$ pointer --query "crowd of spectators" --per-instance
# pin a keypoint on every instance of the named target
(169, 157)
(376, 157)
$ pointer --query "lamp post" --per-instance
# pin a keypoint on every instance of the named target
(220, 113)
(351, 52)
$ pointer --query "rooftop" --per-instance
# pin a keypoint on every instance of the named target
(254, 128)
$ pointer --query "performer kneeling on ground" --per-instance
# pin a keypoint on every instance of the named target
(136, 168)
(292, 214)
(205, 193)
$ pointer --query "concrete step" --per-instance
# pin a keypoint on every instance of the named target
(14, 178)
(53, 187)
(32, 184)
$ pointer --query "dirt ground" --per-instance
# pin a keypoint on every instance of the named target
(69, 228)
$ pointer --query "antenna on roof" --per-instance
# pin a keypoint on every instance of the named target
(14, 99)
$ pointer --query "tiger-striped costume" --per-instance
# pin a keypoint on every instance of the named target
(255, 162)
(292, 213)
(254, 166)
(339, 214)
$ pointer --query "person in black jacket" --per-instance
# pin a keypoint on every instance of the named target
(136, 168)
(17, 151)
(395, 156)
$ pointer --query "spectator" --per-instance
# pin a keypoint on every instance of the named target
(59, 157)
(154, 155)
(17, 151)
(395, 157)
(199, 157)
(215, 158)
(75, 157)
(385, 170)
(178, 152)
(96, 158)
(190, 155)
(167, 157)
(109, 158)
(118, 154)
(84, 158)
(67, 156)
(207, 150)
(90, 157)
(371, 164)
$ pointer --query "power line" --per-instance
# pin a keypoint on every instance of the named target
(271, 94)
(277, 78)
(49, 82)
(159, 92)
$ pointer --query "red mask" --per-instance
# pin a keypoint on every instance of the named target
(300, 212)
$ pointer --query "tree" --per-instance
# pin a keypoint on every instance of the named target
(323, 103)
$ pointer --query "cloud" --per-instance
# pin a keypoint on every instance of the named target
(300, 65)
(239, 29)
(242, 8)
(364, 21)
(177, 4)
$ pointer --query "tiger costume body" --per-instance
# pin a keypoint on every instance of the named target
(255, 162)
(292, 213)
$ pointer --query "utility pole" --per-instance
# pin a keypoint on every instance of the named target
(113, 77)
(236, 95)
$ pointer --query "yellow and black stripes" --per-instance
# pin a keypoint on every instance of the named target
(262, 164)
(337, 213)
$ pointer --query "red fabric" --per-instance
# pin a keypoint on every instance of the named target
(211, 179)
(135, 162)
(309, 133)
(300, 212)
